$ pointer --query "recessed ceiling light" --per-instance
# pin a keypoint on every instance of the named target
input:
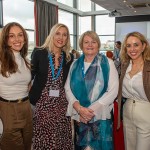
(124, 1)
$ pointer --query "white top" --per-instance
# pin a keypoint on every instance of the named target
(133, 87)
(1, 127)
(86, 66)
(103, 106)
(16, 85)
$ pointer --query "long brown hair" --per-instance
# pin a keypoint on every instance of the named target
(7, 58)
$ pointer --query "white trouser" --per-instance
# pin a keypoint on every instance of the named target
(136, 122)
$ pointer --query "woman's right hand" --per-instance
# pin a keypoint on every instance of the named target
(83, 120)
(86, 114)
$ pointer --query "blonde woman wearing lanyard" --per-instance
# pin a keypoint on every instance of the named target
(50, 66)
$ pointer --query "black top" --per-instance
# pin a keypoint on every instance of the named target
(39, 71)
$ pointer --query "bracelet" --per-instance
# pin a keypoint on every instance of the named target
(79, 109)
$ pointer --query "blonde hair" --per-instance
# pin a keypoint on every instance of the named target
(49, 42)
(146, 53)
(91, 34)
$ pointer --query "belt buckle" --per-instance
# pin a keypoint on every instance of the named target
(19, 100)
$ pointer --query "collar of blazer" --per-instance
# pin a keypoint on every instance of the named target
(146, 66)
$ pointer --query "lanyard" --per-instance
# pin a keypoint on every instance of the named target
(84, 74)
(82, 68)
(52, 67)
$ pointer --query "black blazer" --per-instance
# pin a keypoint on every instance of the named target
(39, 71)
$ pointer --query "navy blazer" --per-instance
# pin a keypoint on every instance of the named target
(39, 71)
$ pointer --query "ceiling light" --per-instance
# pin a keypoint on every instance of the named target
(124, 1)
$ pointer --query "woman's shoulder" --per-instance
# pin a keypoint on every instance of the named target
(39, 52)
(147, 64)
(147, 61)
(68, 60)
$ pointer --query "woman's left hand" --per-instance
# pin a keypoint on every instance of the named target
(86, 114)
(84, 120)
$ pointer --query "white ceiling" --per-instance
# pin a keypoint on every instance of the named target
(142, 7)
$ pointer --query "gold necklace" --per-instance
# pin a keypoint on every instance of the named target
(135, 71)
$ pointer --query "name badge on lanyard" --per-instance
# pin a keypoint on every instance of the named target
(53, 91)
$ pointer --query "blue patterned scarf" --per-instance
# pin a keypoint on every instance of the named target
(91, 86)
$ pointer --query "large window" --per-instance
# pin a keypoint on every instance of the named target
(1, 14)
(105, 28)
(84, 24)
(21, 11)
(67, 19)
(84, 5)
(105, 25)
(66, 2)
(102, 24)
(99, 7)
(31, 42)
(107, 43)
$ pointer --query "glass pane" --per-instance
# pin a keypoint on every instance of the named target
(21, 11)
(71, 40)
(84, 5)
(1, 16)
(84, 24)
(80, 51)
(66, 2)
(105, 25)
(99, 7)
(31, 43)
(66, 18)
(107, 43)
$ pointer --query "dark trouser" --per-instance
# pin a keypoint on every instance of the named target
(17, 123)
